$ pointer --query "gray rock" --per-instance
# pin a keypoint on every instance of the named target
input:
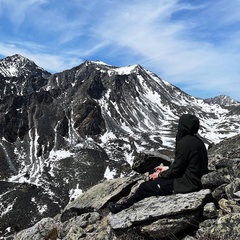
(219, 192)
(226, 227)
(155, 208)
(210, 211)
(232, 188)
(169, 226)
(99, 195)
(49, 228)
(75, 232)
(228, 206)
(39, 231)
(216, 178)
(80, 221)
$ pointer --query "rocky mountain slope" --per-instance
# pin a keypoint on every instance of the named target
(57, 129)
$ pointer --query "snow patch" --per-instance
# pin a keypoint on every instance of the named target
(125, 70)
(59, 154)
(75, 192)
(109, 174)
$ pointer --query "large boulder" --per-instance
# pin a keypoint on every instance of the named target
(99, 195)
(165, 215)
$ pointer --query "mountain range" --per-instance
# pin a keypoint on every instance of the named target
(62, 133)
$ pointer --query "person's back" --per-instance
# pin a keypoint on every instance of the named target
(191, 160)
(193, 149)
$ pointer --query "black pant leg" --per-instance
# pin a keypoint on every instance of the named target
(157, 187)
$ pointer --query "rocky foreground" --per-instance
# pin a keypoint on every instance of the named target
(212, 213)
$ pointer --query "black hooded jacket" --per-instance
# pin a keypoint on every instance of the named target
(191, 160)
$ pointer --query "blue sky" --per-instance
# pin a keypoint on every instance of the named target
(193, 44)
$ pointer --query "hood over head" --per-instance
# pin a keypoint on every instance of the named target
(188, 125)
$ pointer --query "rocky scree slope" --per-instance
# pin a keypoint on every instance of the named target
(56, 130)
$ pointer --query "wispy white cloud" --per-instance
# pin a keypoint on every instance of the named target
(18, 10)
(193, 44)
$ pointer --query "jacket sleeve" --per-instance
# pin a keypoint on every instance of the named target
(178, 167)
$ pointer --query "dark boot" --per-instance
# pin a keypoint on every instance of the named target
(116, 207)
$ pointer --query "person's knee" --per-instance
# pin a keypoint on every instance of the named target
(142, 186)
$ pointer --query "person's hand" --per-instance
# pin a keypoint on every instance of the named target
(157, 170)
(154, 175)
(161, 168)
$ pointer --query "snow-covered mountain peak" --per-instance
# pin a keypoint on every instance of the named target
(19, 66)
(222, 100)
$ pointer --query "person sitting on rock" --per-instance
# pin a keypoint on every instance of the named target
(183, 176)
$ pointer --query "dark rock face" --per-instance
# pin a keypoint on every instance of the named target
(89, 120)
(28, 203)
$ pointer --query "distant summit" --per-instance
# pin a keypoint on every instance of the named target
(222, 100)
(19, 66)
